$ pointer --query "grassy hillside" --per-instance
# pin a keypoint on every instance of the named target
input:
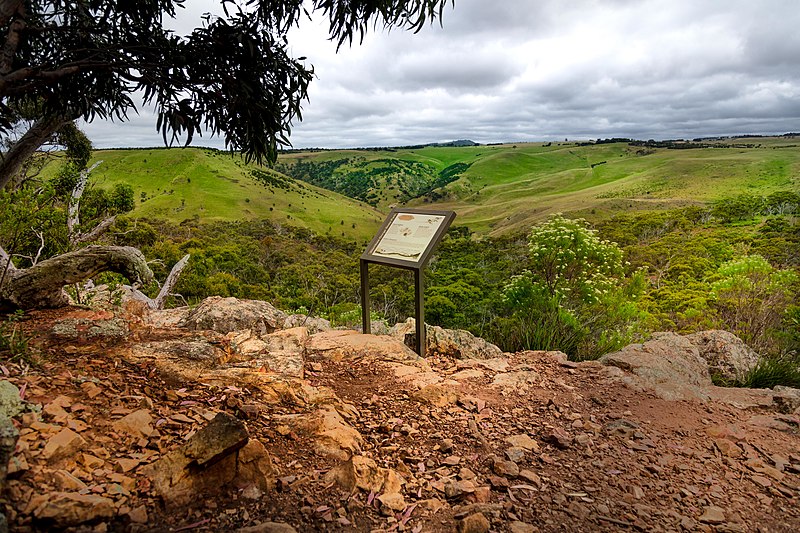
(181, 184)
(508, 187)
(494, 189)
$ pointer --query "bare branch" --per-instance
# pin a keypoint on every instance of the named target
(42, 285)
(73, 219)
(171, 281)
(98, 230)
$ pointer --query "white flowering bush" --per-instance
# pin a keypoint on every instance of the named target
(574, 296)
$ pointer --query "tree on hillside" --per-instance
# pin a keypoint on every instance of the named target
(233, 75)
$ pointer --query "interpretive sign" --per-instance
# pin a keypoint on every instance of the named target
(406, 239)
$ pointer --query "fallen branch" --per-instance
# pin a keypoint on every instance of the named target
(42, 285)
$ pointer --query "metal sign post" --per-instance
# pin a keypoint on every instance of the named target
(406, 239)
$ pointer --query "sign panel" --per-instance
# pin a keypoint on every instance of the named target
(406, 239)
(408, 236)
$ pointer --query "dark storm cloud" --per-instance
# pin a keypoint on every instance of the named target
(544, 70)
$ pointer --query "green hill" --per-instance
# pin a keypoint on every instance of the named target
(495, 189)
(500, 188)
(194, 183)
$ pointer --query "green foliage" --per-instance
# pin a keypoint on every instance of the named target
(232, 75)
(751, 297)
(574, 297)
(13, 340)
(772, 371)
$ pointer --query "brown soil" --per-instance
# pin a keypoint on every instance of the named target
(609, 458)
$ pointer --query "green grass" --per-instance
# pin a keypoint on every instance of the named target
(188, 183)
(507, 187)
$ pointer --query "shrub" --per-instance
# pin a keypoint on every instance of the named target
(574, 297)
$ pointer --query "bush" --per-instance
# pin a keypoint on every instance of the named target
(574, 297)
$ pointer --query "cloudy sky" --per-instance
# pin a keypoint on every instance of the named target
(538, 70)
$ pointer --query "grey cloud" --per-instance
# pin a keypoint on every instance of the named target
(544, 70)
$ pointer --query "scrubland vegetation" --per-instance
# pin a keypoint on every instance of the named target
(720, 250)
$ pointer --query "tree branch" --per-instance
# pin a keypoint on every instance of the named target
(42, 285)
(166, 289)
(9, 49)
(73, 218)
(98, 230)
(7, 10)
(16, 156)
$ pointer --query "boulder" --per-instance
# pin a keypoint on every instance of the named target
(454, 343)
(208, 461)
(668, 364)
(726, 355)
(312, 324)
(8, 443)
(786, 399)
(224, 315)
(280, 352)
(332, 435)
(10, 401)
(338, 345)
(106, 329)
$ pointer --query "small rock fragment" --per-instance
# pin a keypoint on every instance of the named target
(474, 523)
(713, 515)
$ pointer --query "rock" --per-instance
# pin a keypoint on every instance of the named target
(358, 472)
(668, 364)
(436, 395)
(67, 482)
(786, 399)
(515, 454)
(393, 501)
(8, 443)
(505, 468)
(454, 343)
(521, 527)
(558, 438)
(281, 352)
(268, 527)
(109, 330)
(474, 523)
(224, 315)
(10, 401)
(138, 515)
(726, 355)
(137, 423)
(517, 381)
(333, 436)
(523, 441)
(66, 509)
(338, 345)
(63, 444)
(255, 467)
(312, 324)
(205, 464)
(712, 515)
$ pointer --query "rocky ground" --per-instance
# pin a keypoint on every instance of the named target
(236, 417)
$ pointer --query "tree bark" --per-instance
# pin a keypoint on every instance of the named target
(166, 289)
(42, 285)
(11, 162)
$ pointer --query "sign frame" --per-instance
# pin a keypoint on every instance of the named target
(394, 224)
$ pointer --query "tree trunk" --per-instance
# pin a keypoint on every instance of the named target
(166, 290)
(42, 285)
(11, 162)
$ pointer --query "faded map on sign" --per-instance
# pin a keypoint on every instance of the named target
(408, 236)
